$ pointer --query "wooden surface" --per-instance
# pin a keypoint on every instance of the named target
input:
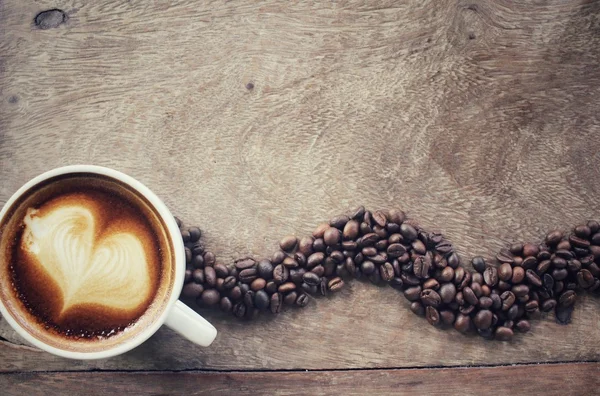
(259, 119)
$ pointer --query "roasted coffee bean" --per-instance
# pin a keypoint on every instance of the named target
(447, 275)
(301, 259)
(311, 278)
(249, 298)
(579, 242)
(518, 275)
(567, 298)
(229, 282)
(335, 284)
(188, 255)
(408, 232)
(508, 299)
(331, 236)
(459, 275)
(210, 276)
(369, 251)
(483, 319)
(288, 243)
(466, 309)
(453, 260)
(244, 263)
(548, 282)
(319, 232)
(305, 245)
(594, 269)
(278, 257)
(503, 286)
(396, 216)
(486, 290)
(476, 277)
(520, 290)
(505, 272)
(358, 213)
(379, 259)
(192, 290)
(554, 237)
(447, 317)
(188, 276)
(319, 270)
(221, 270)
(543, 267)
(585, 279)
(315, 259)
(594, 226)
(296, 275)
(430, 297)
(485, 302)
(185, 235)
(560, 274)
(387, 272)
(496, 301)
(290, 298)
(490, 275)
(444, 248)
(460, 299)
(210, 297)
(412, 293)
(245, 276)
(432, 315)
(396, 250)
(258, 284)
(529, 249)
(563, 314)
(226, 304)
(339, 221)
(261, 300)
(367, 267)
(596, 239)
(476, 287)
(397, 283)
(421, 267)
(351, 230)
(290, 263)
(563, 245)
(350, 265)
(516, 249)
(465, 281)
(529, 263)
(462, 323)
(533, 278)
(558, 286)
(559, 262)
(236, 293)
(311, 289)
(276, 303)
(417, 308)
(302, 300)
(505, 256)
(349, 248)
(419, 247)
(503, 333)
(512, 312)
(470, 296)
(380, 218)
(198, 276)
(198, 261)
(209, 259)
(265, 269)
(280, 274)
(271, 287)
(431, 283)
(286, 287)
(239, 310)
(380, 231)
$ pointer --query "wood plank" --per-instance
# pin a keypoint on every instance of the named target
(555, 379)
(479, 118)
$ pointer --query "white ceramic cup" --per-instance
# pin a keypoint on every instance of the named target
(175, 315)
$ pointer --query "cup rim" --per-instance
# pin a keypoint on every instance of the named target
(178, 251)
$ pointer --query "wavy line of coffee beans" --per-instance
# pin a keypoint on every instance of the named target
(386, 247)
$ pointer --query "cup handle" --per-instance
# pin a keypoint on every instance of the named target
(189, 324)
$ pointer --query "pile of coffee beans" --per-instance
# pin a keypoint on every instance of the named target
(387, 248)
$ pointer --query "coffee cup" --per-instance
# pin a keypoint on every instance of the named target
(92, 264)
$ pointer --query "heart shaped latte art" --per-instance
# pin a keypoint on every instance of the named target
(89, 265)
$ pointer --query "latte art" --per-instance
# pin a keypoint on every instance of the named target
(89, 265)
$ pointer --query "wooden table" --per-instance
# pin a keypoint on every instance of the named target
(254, 120)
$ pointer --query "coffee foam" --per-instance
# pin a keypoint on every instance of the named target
(89, 264)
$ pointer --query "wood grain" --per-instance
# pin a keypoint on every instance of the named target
(479, 118)
(555, 379)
